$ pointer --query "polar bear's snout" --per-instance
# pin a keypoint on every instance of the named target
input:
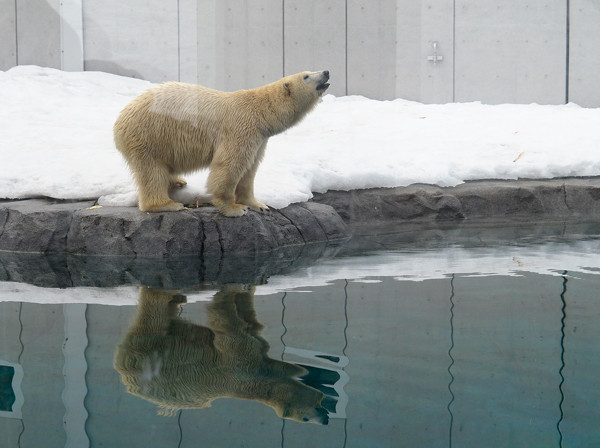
(323, 85)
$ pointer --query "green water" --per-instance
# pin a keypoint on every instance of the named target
(451, 359)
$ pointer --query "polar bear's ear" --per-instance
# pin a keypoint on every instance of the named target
(286, 86)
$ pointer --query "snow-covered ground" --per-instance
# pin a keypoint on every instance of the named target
(56, 141)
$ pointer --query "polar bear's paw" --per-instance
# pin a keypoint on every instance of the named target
(258, 207)
(170, 206)
(235, 210)
(230, 208)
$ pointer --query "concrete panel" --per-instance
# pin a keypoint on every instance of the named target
(188, 41)
(71, 35)
(584, 64)
(38, 32)
(137, 38)
(371, 51)
(419, 25)
(244, 43)
(510, 52)
(315, 39)
(8, 34)
(207, 43)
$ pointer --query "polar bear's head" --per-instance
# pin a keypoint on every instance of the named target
(317, 80)
(312, 83)
(284, 103)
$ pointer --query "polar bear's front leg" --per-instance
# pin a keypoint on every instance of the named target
(244, 194)
(244, 191)
(221, 184)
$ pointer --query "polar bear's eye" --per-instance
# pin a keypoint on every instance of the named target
(305, 77)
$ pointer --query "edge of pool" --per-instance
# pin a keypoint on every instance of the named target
(46, 225)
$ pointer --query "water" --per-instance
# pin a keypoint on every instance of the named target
(421, 345)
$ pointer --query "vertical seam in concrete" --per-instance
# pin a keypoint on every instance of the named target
(567, 50)
(283, 37)
(16, 34)
(346, 46)
(453, 51)
(178, 43)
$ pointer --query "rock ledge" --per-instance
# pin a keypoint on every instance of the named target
(47, 226)
(564, 198)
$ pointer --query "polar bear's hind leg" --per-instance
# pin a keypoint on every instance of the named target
(153, 189)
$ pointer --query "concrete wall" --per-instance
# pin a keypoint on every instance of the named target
(584, 56)
(516, 51)
(29, 33)
(510, 51)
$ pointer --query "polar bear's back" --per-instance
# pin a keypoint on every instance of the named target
(173, 122)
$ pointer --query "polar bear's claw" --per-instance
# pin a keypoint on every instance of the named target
(259, 207)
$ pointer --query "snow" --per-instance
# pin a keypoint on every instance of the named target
(56, 141)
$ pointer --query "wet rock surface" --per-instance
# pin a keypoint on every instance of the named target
(62, 270)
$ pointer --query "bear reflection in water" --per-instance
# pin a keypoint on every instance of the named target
(180, 365)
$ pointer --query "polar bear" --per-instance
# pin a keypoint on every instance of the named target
(177, 364)
(176, 128)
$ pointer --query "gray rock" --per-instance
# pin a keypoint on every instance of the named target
(553, 198)
(36, 225)
(127, 231)
(47, 226)
(385, 204)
